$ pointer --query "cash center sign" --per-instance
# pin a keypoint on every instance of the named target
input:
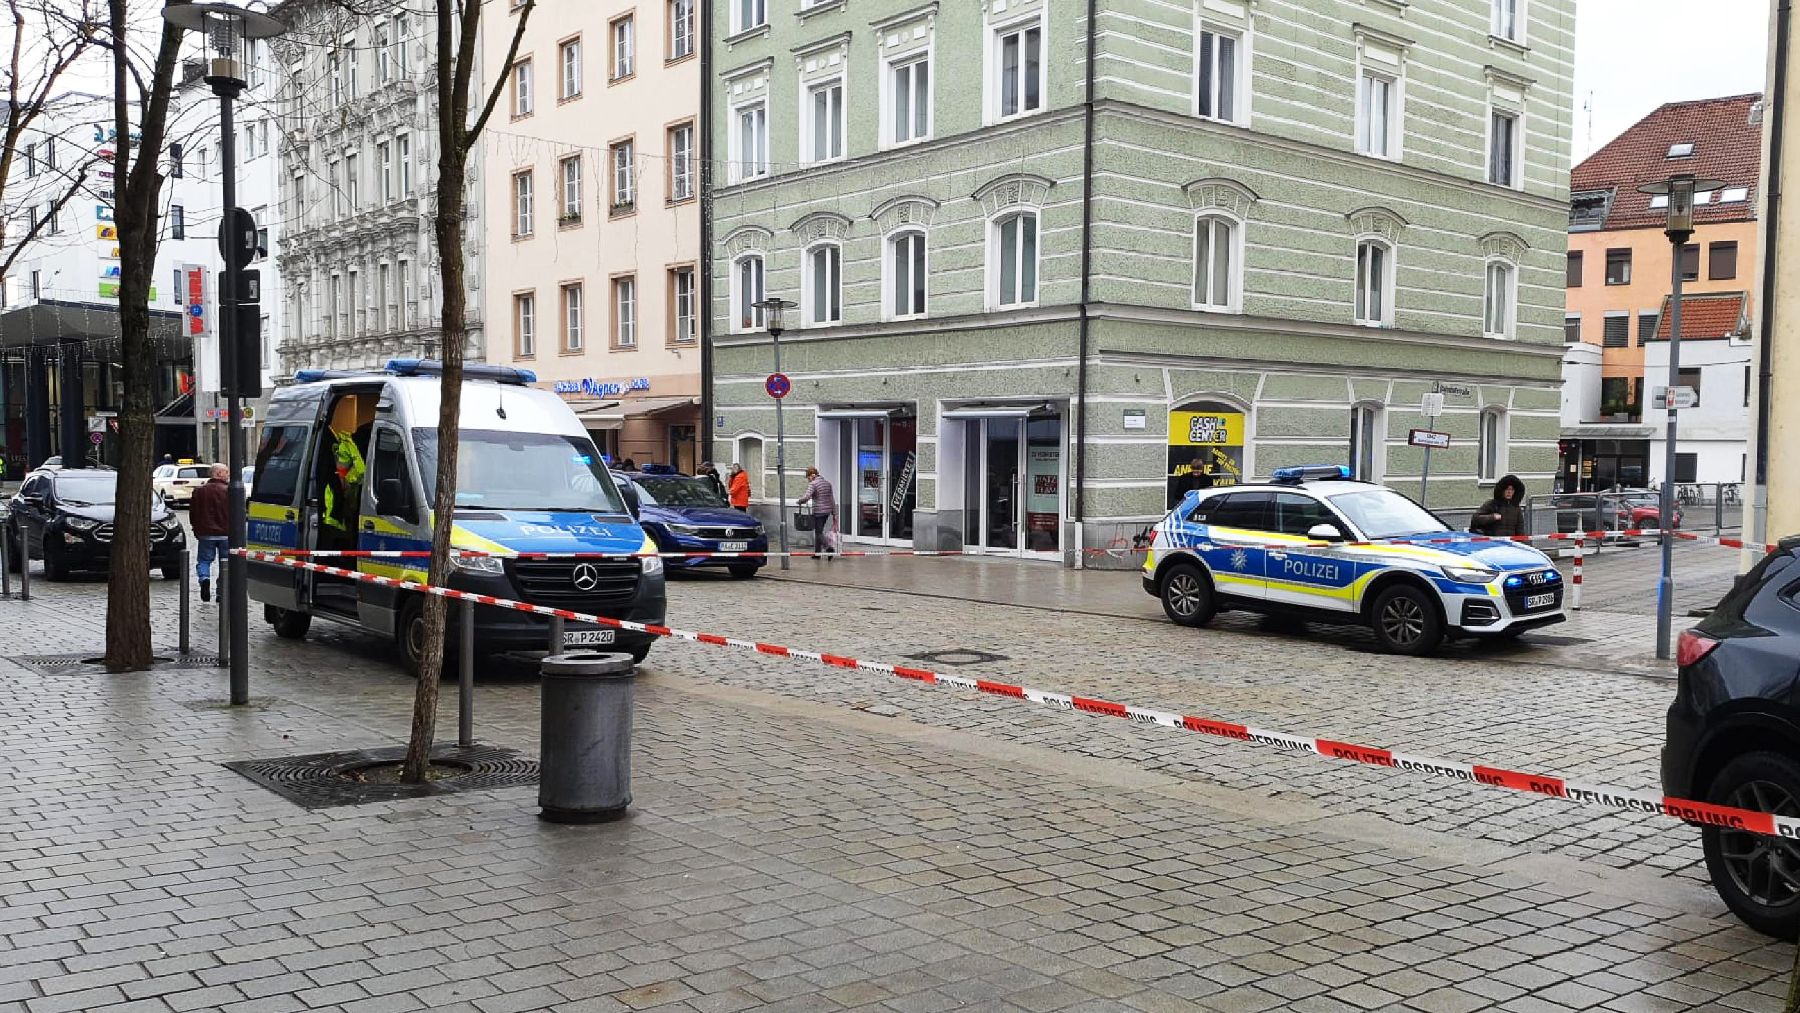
(602, 388)
(1207, 437)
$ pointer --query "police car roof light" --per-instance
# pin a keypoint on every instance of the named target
(315, 375)
(657, 469)
(432, 367)
(1311, 473)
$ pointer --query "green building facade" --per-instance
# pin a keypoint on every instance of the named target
(1023, 318)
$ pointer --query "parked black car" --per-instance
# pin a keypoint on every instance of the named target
(65, 518)
(1734, 737)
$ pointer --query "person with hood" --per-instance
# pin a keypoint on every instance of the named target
(1503, 515)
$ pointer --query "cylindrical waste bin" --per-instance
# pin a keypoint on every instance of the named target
(585, 772)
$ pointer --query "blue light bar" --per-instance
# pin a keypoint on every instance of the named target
(1312, 473)
(480, 371)
(657, 469)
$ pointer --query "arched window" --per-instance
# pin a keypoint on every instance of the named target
(1374, 283)
(821, 285)
(1498, 302)
(1492, 450)
(904, 274)
(1013, 260)
(746, 292)
(1218, 263)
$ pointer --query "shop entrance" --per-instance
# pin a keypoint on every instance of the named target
(876, 477)
(1012, 484)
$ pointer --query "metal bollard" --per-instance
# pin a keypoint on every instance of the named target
(186, 608)
(5, 563)
(465, 690)
(224, 618)
(24, 568)
(585, 766)
(556, 635)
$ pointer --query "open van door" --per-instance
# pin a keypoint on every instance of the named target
(277, 518)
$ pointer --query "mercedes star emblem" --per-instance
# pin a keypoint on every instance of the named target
(586, 577)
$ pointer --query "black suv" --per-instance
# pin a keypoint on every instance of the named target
(65, 518)
(1734, 737)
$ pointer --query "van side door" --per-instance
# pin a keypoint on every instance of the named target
(393, 518)
(274, 514)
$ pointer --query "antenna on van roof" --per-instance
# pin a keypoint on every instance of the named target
(500, 404)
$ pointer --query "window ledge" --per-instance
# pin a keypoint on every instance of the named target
(566, 99)
(570, 351)
(822, 7)
(747, 34)
(1394, 7)
(679, 201)
(671, 61)
(621, 79)
(1502, 42)
(565, 224)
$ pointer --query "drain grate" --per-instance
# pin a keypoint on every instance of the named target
(958, 656)
(317, 781)
(93, 662)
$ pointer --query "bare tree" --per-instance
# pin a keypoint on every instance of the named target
(48, 38)
(136, 212)
(458, 32)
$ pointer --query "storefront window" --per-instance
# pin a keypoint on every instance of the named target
(877, 476)
(1206, 448)
(1012, 483)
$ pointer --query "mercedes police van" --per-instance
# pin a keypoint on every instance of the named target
(349, 461)
(1287, 547)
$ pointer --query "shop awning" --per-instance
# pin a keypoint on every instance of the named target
(605, 415)
(1603, 431)
(999, 411)
(865, 412)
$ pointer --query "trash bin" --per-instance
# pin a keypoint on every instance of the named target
(585, 770)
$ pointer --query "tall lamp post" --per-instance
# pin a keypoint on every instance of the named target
(1679, 189)
(774, 320)
(229, 31)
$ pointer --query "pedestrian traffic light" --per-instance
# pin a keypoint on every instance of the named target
(249, 287)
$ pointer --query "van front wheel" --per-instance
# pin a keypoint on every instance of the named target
(290, 625)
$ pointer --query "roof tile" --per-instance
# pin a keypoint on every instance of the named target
(1727, 146)
(1707, 315)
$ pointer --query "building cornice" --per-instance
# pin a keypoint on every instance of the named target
(1243, 322)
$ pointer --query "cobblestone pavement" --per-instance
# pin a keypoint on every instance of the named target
(809, 838)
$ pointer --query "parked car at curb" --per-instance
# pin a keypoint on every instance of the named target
(65, 518)
(1733, 737)
(1273, 548)
(177, 482)
(1637, 509)
(685, 513)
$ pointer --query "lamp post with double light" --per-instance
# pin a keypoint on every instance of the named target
(229, 31)
(774, 313)
(1680, 190)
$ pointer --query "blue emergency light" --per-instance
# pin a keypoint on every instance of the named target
(482, 371)
(1311, 473)
(657, 469)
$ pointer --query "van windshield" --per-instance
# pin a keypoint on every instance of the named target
(522, 471)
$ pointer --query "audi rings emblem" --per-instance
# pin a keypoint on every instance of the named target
(586, 577)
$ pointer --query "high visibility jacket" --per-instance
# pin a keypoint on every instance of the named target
(350, 474)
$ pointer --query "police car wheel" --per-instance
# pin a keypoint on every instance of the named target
(1187, 597)
(1406, 621)
(1757, 877)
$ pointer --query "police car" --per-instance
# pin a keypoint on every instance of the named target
(1318, 545)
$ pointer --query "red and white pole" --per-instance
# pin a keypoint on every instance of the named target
(1575, 593)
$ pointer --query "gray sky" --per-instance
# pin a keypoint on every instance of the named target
(1633, 55)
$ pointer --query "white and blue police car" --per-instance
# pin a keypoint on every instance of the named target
(1316, 544)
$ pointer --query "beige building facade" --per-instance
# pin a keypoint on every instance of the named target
(591, 216)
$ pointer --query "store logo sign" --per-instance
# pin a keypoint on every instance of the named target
(602, 388)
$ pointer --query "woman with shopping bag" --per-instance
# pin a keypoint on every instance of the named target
(824, 513)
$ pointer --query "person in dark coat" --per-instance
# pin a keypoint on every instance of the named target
(1503, 515)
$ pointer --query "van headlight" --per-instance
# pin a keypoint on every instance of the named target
(492, 566)
(1469, 574)
(652, 564)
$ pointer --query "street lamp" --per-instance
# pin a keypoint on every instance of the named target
(774, 321)
(1679, 189)
(229, 31)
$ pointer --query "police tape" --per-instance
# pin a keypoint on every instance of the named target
(1623, 799)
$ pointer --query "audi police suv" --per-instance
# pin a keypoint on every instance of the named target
(1315, 544)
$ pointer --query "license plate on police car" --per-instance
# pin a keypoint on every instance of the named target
(1539, 601)
(733, 546)
(587, 638)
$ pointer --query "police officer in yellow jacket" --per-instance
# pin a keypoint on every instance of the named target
(343, 487)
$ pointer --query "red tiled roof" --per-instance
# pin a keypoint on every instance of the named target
(1708, 315)
(1727, 146)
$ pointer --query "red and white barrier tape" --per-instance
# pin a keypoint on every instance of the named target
(1497, 777)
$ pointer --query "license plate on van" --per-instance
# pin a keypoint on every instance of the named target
(1539, 601)
(734, 546)
(587, 638)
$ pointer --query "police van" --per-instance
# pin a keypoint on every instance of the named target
(349, 461)
(1295, 546)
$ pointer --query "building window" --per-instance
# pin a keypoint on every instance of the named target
(384, 154)
(1573, 278)
(521, 83)
(681, 29)
(31, 160)
(1018, 62)
(747, 291)
(1218, 266)
(1721, 261)
(624, 48)
(909, 101)
(1646, 326)
(1618, 267)
(1617, 333)
(569, 56)
(1509, 20)
(384, 52)
(625, 312)
(1492, 451)
(1690, 262)
(824, 122)
(404, 270)
(352, 183)
(748, 14)
(522, 217)
(403, 153)
(750, 143)
(177, 220)
(624, 177)
(1013, 254)
(1503, 148)
(1218, 78)
(1498, 311)
(524, 324)
(571, 318)
(175, 166)
(1378, 115)
(1368, 442)
(571, 189)
(683, 317)
(822, 285)
(1374, 283)
(1690, 377)
(906, 274)
(384, 298)
(681, 162)
(1571, 328)
(401, 34)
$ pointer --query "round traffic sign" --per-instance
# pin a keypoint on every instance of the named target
(96, 438)
(778, 385)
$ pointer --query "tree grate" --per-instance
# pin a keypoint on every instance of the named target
(958, 656)
(319, 781)
(93, 663)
